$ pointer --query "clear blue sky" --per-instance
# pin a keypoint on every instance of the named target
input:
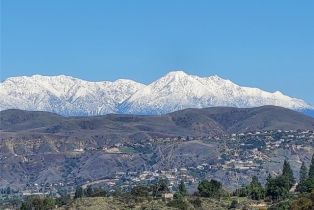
(262, 43)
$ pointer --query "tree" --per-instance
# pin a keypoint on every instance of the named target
(234, 204)
(160, 187)
(303, 173)
(99, 192)
(8, 190)
(89, 191)
(79, 192)
(178, 202)
(287, 173)
(38, 203)
(268, 177)
(311, 170)
(210, 188)
(277, 188)
(140, 191)
(307, 185)
(255, 189)
(63, 200)
(49, 203)
(182, 188)
(241, 192)
(204, 188)
(26, 205)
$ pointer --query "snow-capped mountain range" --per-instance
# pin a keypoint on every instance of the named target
(175, 91)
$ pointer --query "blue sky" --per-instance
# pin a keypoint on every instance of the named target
(262, 43)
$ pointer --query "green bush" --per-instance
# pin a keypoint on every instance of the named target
(38, 203)
(210, 188)
(141, 191)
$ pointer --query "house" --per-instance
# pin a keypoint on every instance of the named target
(78, 150)
(167, 196)
(112, 150)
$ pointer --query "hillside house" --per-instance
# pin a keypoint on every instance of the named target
(167, 196)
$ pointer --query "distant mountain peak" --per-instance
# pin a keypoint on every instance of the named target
(176, 73)
(175, 91)
(61, 76)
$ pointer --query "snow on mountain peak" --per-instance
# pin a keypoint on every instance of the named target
(178, 90)
(174, 91)
(178, 73)
(64, 94)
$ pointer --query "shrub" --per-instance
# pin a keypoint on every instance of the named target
(38, 203)
(210, 188)
(141, 191)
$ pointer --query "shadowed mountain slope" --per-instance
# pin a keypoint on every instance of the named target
(206, 121)
(251, 119)
(42, 147)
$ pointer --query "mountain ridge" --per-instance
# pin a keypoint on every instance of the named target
(43, 147)
(175, 91)
(203, 121)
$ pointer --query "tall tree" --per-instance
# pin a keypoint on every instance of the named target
(277, 188)
(308, 184)
(311, 170)
(303, 182)
(89, 191)
(268, 177)
(303, 173)
(255, 189)
(79, 192)
(160, 187)
(182, 188)
(287, 173)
